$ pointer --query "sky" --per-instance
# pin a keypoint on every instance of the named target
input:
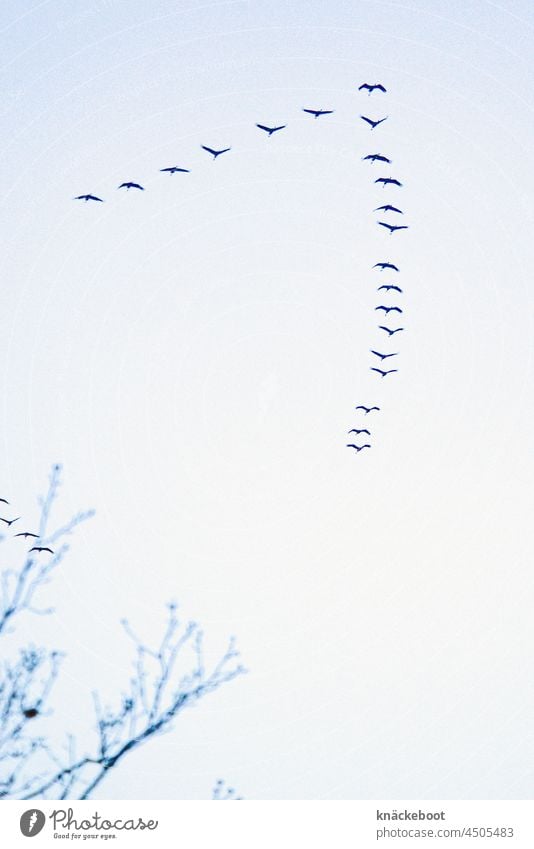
(193, 355)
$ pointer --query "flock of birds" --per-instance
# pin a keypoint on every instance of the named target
(382, 369)
(24, 534)
(385, 209)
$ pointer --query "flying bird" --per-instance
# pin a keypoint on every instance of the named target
(388, 181)
(363, 430)
(391, 332)
(393, 227)
(389, 288)
(384, 356)
(366, 409)
(372, 123)
(215, 153)
(89, 197)
(271, 130)
(175, 170)
(129, 186)
(9, 522)
(3, 500)
(383, 265)
(27, 534)
(372, 87)
(318, 112)
(388, 208)
(383, 373)
(359, 447)
(30, 713)
(41, 548)
(376, 157)
(388, 309)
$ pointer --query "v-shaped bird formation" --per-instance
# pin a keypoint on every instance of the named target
(386, 182)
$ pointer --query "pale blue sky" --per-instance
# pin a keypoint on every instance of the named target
(193, 356)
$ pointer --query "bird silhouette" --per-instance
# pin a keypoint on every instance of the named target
(389, 331)
(383, 265)
(358, 447)
(388, 208)
(387, 310)
(372, 123)
(372, 87)
(383, 373)
(129, 186)
(88, 197)
(27, 534)
(376, 157)
(393, 227)
(362, 430)
(215, 153)
(41, 548)
(9, 522)
(384, 356)
(30, 713)
(388, 181)
(175, 170)
(389, 287)
(318, 112)
(366, 409)
(3, 500)
(271, 130)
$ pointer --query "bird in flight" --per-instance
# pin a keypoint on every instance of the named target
(129, 186)
(372, 87)
(376, 157)
(388, 181)
(393, 227)
(384, 356)
(271, 130)
(27, 534)
(362, 430)
(387, 310)
(175, 170)
(89, 197)
(318, 112)
(366, 409)
(41, 548)
(358, 447)
(9, 522)
(384, 265)
(391, 332)
(3, 500)
(389, 208)
(383, 373)
(215, 153)
(372, 123)
(390, 287)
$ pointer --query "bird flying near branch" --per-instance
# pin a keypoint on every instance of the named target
(366, 409)
(30, 713)
(9, 522)
(318, 112)
(370, 87)
(383, 265)
(376, 157)
(129, 186)
(89, 197)
(388, 208)
(383, 373)
(358, 447)
(362, 430)
(387, 310)
(388, 181)
(384, 356)
(389, 288)
(215, 153)
(389, 331)
(393, 227)
(271, 130)
(27, 534)
(175, 170)
(39, 548)
(372, 123)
